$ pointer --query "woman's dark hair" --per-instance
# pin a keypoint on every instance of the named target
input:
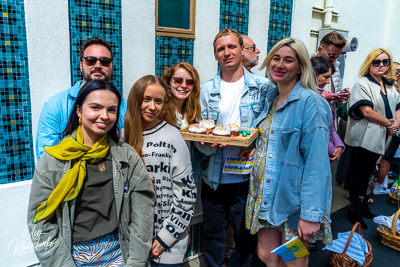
(321, 65)
(90, 86)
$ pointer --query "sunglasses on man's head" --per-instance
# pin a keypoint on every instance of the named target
(178, 81)
(104, 61)
(377, 62)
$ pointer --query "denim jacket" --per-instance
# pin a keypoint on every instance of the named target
(255, 91)
(135, 220)
(297, 175)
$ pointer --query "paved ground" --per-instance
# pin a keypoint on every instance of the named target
(383, 256)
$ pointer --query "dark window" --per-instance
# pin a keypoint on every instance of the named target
(174, 14)
(175, 18)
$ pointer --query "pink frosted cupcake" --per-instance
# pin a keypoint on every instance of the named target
(197, 128)
(209, 124)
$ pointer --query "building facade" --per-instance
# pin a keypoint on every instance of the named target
(40, 43)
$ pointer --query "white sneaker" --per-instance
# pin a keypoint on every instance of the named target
(386, 182)
(379, 190)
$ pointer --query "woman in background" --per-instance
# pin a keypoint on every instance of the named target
(167, 159)
(323, 70)
(372, 107)
(91, 195)
(382, 179)
(395, 79)
(183, 85)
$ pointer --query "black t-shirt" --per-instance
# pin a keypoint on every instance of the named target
(388, 112)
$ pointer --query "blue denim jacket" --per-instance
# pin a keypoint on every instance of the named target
(297, 171)
(253, 101)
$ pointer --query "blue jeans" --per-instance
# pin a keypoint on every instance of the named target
(228, 201)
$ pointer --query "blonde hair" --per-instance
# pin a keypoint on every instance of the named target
(191, 108)
(225, 32)
(307, 78)
(133, 124)
(371, 56)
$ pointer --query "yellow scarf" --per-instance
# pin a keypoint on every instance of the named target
(69, 186)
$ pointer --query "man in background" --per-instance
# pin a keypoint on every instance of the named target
(251, 53)
(96, 63)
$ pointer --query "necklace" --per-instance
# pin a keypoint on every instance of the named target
(102, 166)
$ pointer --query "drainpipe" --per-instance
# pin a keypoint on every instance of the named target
(328, 13)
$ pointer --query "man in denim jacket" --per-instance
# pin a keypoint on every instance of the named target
(55, 113)
(234, 95)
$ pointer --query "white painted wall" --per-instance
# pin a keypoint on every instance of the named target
(47, 32)
(138, 41)
(392, 29)
(370, 32)
(301, 21)
(372, 22)
(258, 29)
(207, 26)
(15, 242)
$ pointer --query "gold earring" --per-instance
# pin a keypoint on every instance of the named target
(80, 120)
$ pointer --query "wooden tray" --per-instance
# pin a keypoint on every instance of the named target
(235, 141)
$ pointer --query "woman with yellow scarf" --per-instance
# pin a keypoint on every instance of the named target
(91, 195)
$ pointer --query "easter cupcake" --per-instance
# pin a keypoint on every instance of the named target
(235, 131)
(197, 128)
(221, 130)
(209, 124)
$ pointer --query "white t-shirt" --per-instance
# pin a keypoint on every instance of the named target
(229, 108)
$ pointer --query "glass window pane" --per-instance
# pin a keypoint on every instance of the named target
(174, 14)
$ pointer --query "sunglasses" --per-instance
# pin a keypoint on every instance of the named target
(331, 55)
(178, 81)
(104, 61)
(397, 71)
(377, 62)
(253, 47)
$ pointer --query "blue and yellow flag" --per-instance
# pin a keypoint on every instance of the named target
(291, 250)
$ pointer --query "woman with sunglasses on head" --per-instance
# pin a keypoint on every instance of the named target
(183, 84)
(167, 159)
(291, 178)
(373, 106)
(91, 194)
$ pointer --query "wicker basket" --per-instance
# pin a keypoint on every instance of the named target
(389, 237)
(394, 198)
(341, 260)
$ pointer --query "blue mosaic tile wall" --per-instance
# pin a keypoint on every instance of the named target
(280, 21)
(16, 142)
(172, 50)
(234, 14)
(94, 18)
